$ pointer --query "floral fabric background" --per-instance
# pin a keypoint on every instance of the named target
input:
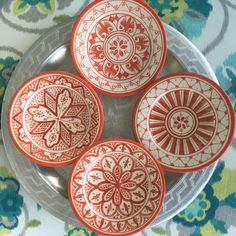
(210, 25)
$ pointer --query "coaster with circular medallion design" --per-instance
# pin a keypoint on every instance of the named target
(117, 187)
(118, 46)
(53, 117)
(185, 120)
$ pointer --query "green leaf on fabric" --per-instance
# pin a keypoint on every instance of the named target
(61, 18)
(4, 232)
(219, 226)
(34, 223)
(19, 7)
(4, 172)
(158, 230)
(22, 5)
(48, 4)
(74, 231)
(2, 90)
(47, 7)
(229, 201)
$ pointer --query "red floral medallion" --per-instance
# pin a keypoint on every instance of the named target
(116, 187)
(185, 120)
(119, 46)
(53, 117)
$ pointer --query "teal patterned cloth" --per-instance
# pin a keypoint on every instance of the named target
(210, 25)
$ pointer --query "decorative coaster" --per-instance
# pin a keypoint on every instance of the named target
(117, 187)
(53, 117)
(118, 46)
(185, 120)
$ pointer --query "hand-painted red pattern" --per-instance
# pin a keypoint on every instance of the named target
(116, 188)
(121, 181)
(119, 47)
(182, 122)
(185, 120)
(57, 119)
(53, 118)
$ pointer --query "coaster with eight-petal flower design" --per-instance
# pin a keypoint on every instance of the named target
(53, 117)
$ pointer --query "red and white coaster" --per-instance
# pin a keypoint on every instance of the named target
(186, 120)
(118, 46)
(117, 187)
(53, 117)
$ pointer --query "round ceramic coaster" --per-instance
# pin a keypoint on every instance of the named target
(185, 120)
(118, 46)
(117, 187)
(53, 117)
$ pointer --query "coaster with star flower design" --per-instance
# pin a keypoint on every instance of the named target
(186, 120)
(118, 46)
(117, 187)
(53, 117)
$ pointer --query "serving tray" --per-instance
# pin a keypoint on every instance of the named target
(48, 186)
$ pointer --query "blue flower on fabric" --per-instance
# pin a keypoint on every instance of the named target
(35, 2)
(169, 10)
(201, 214)
(200, 211)
(187, 16)
(11, 202)
(44, 6)
(34, 10)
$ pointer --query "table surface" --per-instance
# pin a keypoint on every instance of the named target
(210, 25)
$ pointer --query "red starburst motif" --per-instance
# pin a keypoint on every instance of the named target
(182, 122)
(116, 187)
(53, 117)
